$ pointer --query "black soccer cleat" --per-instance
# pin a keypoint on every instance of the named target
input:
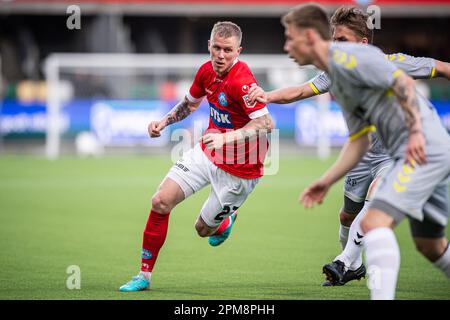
(334, 272)
(327, 284)
(354, 275)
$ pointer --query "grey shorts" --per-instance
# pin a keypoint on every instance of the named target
(419, 193)
(358, 180)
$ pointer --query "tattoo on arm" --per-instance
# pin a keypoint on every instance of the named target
(259, 125)
(405, 92)
(179, 112)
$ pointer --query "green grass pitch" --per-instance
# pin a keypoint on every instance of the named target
(91, 213)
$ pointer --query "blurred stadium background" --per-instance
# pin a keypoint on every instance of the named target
(41, 76)
(93, 90)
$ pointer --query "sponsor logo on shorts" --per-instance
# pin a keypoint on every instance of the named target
(181, 166)
(146, 254)
(351, 182)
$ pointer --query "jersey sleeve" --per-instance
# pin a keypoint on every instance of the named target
(356, 125)
(197, 90)
(240, 95)
(417, 68)
(320, 83)
(364, 66)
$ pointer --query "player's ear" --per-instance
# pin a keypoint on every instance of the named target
(364, 40)
(209, 45)
(239, 50)
(310, 35)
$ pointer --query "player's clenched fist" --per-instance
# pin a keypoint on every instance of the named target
(155, 127)
(213, 140)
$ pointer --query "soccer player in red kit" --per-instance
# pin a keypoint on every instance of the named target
(229, 156)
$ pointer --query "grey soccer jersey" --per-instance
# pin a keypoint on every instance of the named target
(415, 67)
(361, 83)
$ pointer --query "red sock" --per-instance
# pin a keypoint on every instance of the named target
(224, 224)
(154, 236)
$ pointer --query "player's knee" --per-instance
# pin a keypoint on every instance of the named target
(346, 219)
(367, 224)
(161, 203)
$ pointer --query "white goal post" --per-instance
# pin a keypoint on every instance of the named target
(287, 73)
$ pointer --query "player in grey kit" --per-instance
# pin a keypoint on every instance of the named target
(373, 91)
(349, 24)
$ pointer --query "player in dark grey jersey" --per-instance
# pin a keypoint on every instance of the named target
(349, 24)
(373, 91)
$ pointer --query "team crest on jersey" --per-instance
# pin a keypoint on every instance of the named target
(223, 99)
(221, 118)
(246, 99)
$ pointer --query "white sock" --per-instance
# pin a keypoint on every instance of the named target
(343, 235)
(352, 254)
(147, 275)
(443, 263)
(383, 261)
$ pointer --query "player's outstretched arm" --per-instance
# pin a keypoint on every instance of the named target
(282, 96)
(349, 156)
(251, 130)
(405, 91)
(442, 69)
(181, 110)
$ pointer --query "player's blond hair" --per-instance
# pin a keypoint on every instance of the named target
(353, 18)
(309, 15)
(227, 29)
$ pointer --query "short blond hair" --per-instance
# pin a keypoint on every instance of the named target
(227, 29)
(309, 15)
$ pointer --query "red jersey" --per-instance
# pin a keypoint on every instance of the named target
(229, 110)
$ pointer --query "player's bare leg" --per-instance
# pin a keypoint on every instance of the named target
(217, 235)
(436, 250)
(203, 230)
(169, 194)
(382, 254)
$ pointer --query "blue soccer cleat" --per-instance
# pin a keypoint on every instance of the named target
(219, 239)
(137, 283)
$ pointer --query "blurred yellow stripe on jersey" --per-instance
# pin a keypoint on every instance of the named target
(433, 72)
(314, 88)
(364, 130)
